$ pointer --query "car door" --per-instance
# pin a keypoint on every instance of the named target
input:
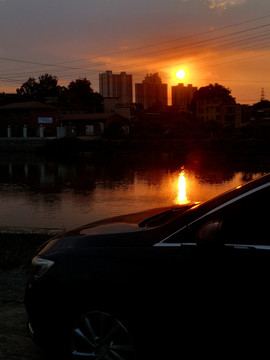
(230, 264)
(241, 261)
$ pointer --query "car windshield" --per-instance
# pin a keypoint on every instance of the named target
(165, 216)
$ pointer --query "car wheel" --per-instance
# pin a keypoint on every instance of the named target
(97, 335)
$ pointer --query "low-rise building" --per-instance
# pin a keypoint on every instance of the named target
(26, 118)
(225, 113)
(82, 124)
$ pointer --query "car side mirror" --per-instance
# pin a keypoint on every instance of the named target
(208, 234)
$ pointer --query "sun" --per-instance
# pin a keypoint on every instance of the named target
(181, 74)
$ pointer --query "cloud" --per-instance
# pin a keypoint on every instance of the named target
(224, 4)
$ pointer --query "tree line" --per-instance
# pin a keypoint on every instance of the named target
(79, 94)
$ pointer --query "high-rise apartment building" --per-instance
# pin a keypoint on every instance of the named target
(116, 86)
(151, 91)
(182, 95)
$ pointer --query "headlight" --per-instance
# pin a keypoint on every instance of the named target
(40, 266)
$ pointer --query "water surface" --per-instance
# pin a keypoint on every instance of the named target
(35, 192)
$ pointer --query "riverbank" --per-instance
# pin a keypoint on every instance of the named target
(241, 152)
(163, 150)
(140, 148)
(18, 144)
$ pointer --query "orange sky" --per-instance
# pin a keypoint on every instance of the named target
(215, 41)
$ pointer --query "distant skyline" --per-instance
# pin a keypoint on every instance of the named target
(214, 41)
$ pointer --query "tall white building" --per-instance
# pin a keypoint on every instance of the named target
(117, 86)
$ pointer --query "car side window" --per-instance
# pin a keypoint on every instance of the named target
(245, 221)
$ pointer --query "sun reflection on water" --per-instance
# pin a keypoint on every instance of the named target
(182, 193)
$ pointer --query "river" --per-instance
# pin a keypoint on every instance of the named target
(40, 193)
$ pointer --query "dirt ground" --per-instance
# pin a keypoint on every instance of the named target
(16, 251)
(15, 342)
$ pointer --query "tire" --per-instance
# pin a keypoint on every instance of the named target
(98, 335)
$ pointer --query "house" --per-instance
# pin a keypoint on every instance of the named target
(260, 118)
(225, 113)
(26, 118)
(82, 124)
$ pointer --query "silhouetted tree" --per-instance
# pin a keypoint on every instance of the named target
(155, 107)
(46, 86)
(263, 104)
(81, 95)
(211, 92)
(28, 88)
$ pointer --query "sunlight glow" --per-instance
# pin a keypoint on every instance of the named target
(181, 74)
(181, 195)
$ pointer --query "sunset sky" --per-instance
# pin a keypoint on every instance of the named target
(214, 41)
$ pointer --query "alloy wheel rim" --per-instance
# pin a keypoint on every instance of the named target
(97, 335)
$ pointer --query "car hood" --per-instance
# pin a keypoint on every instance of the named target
(128, 222)
(104, 228)
(136, 229)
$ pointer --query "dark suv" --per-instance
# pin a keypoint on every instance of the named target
(158, 284)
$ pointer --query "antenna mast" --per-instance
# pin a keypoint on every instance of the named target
(262, 95)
